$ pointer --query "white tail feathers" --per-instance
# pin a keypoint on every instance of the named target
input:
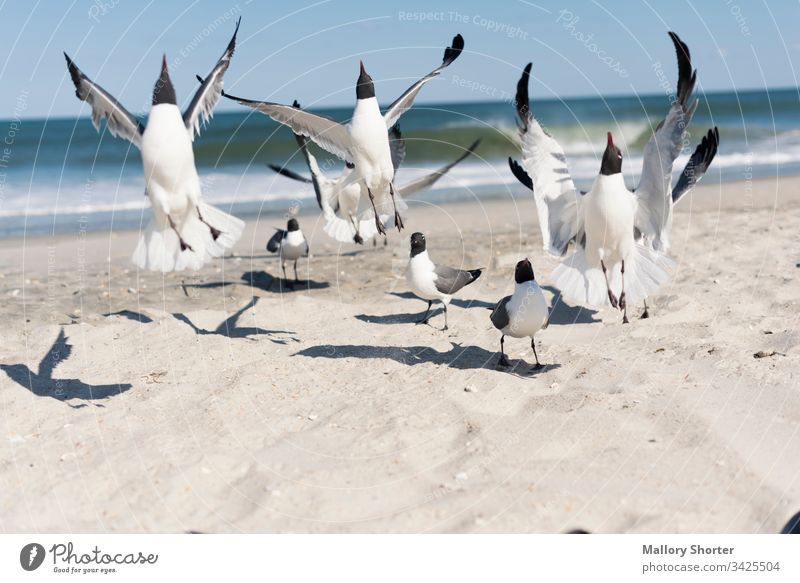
(645, 271)
(343, 230)
(159, 248)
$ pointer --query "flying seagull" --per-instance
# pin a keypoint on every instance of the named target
(434, 282)
(184, 231)
(364, 142)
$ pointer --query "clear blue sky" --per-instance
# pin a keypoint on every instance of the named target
(310, 50)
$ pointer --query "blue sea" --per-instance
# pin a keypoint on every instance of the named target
(60, 175)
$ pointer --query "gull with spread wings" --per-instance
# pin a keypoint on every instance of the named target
(184, 232)
(364, 142)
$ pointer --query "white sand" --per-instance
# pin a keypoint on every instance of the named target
(326, 410)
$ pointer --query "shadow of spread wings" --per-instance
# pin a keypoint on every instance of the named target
(57, 354)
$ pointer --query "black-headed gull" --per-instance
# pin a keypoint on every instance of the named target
(290, 245)
(184, 232)
(434, 282)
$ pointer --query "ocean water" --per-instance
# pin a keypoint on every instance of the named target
(60, 175)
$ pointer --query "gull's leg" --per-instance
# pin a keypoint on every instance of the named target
(357, 238)
(445, 316)
(503, 358)
(295, 271)
(645, 314)
(539, 365)
(398, 220)
(425, 316)
(611, 297)
(622, 303)
(378, 223)
(215, 233)
(184, 244)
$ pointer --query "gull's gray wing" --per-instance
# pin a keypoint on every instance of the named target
(449, 280)
(57, 354)
(119, 121)
(654, 193)
(207, 96)
(499, 315)
(557, 200)
(430, 179)
(327, 133)
(404, 102)
(697, 165)
(397, 146)
(275, 241)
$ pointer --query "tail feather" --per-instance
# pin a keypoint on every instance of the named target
(645, 271)
(159, 248)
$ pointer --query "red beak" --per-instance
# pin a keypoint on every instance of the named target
(610, 140)
(362, 66)
(164, 63)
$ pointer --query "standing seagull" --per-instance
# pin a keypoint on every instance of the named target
(563, 210)
(290, 245)
(434, 282)
(184, 231)
(364, 142)
(523, 313)
(339, 200)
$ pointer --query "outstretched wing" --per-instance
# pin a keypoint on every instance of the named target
(397, 146)
(654, 209)
(327, 133)
(57, 354)
(557, 199)
(697, 165)
(274, 242)
(430, 179)
(289, 173)
(119, 121)
(404, 102)
(207, 96)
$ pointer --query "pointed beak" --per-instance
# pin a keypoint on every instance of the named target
(363, 71)
(610, 140)
(164, 64)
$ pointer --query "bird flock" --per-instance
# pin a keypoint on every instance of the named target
(618, 238)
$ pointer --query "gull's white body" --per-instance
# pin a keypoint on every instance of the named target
(293, 246)
(527, 310)
(421, 277)
(609, 209)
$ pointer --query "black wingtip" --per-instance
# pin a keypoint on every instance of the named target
(232, 43)
(452, 52)
(522, 99)
(296, 104)
(395, 133)
(519, 172)
(686, 76)
(473, 146)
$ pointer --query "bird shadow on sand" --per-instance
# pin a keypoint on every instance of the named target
(230, 328)
(562, 314)
(266, 282)
(416, 317)
(458, 357)
(131, 315)
(42, 384)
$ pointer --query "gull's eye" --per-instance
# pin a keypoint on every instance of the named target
(619, 156)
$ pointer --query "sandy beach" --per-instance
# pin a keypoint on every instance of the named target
(222, 401)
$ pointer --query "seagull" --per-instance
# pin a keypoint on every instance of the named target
(184, 232)
(290, 245)
(621, 237)
(434, 282)
(364, 142)
(339, 200)
(523, 313)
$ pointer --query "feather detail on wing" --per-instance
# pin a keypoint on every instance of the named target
(697, 165)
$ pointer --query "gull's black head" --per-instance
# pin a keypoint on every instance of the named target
(364, 88)
(612, 159)
(292, 225)
(524, 271)
(164, 92)
(417, 244)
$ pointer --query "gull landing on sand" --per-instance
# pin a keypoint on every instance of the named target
(521, 314)
(364, 142)
(434, 282)
(563, 210)
(184, 232)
